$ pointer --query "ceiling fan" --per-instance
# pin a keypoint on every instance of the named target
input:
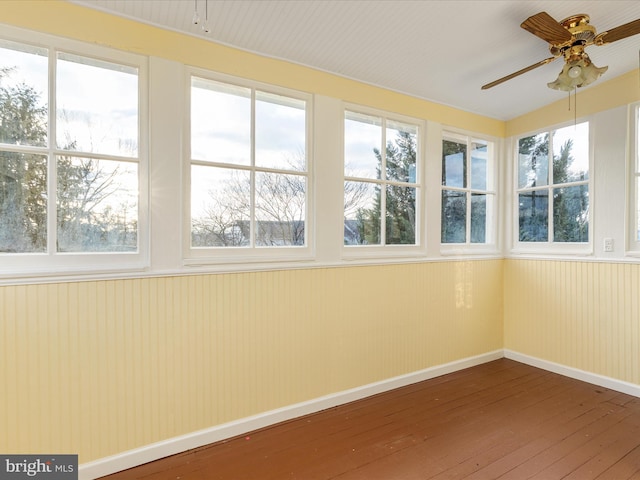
(568, 39)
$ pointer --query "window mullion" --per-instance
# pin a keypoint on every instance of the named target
(467, 238)
(52, 167)
(252, 175)
(550, 207)
(467, 188)
(550, 188)
(383, 184)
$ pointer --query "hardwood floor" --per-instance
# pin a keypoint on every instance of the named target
(501, 420)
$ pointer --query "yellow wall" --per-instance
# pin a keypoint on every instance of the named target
(101, 367)
(584, 315)
(68, 20)
(608, 94)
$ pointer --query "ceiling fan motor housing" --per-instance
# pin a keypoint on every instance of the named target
(583, 34)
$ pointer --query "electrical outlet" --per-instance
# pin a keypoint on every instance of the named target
(608, 244)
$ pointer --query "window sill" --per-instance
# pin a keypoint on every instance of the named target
(450, 250)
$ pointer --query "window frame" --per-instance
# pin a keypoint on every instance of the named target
(551, 247)
(202, 256)
(390, 251)
(53, 263)
(633, 187)
(491, 245)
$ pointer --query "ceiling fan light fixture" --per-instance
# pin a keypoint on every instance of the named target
(578, 73)
(575, 71)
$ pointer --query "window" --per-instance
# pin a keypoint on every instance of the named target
(249, 170)
(70, 158)
(634, 230)
(468, 191)
(553, 186)
(381, 188)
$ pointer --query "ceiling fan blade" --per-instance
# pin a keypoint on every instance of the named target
(544, 26)
(519, 72)
(618, 33)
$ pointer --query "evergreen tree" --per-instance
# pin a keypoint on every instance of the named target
(570, 204)
(82, 185)
(400, 201)
(533, 217)
(23, 176)
(454, 203)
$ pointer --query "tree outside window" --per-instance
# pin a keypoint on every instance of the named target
(381, 187)
(553, 186)
(249, 169)
(467, 191)
(93, 162)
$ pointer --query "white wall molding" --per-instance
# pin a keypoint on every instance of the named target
(583, 375)
(175, 445)
(172, 446)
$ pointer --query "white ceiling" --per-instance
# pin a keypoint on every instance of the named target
(438, 50)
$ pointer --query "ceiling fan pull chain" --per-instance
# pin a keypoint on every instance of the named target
(575, 107)
(196, 15)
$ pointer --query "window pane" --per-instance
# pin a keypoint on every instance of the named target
(454, 164)
(361, 213)
(280, 132)
(571, 154)
(479, 173)
(23, 203)
(97, 205)
(96, 106)
(220, 207)
(401, 215)
(571, 214)
(362, 139)
(23, 94)
(454, 217)
(533, 216)
(533, 161)
(638, 209)
(220, 122)
(401, 152)
(280, 209)
(478, 218)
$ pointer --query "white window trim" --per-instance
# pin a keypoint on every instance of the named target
(491, 247)
(203, 256)
(633, 190)
(42, 265)
(163, 211)
(364, 253)
(550, 247)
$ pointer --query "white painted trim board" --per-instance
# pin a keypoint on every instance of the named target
(172, 446)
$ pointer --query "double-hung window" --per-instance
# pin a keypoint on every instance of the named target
(381, 180)
(634, 187)
(249, 172)
(468, 209)
(553, 188)
(71, 189)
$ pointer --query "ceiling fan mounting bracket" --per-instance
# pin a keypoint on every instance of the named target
(582, 33)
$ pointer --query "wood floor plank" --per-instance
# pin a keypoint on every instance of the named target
(505, 454)
(348, 445)
(626, 468)
(501, 420)
(549, 448)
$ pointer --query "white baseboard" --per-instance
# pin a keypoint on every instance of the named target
(594, 378)
(172, 446)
